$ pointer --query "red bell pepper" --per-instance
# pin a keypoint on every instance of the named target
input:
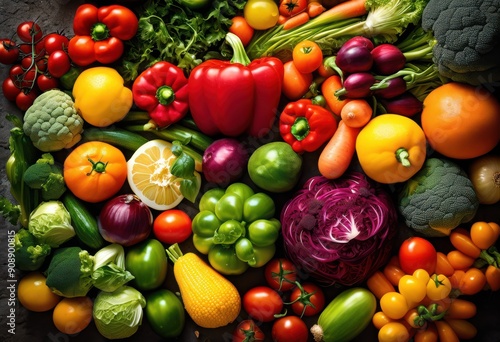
(100, 32)
(306, 126)
(237, 96)
(162, 91)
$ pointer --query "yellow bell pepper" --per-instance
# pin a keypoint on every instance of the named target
(391, 148)
(101, 97)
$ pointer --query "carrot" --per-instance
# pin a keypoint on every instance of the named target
(281, 19)
(314, 8)
(296, 20)
(356, 113)
(345, 10)
(337, 155)
(328, 89)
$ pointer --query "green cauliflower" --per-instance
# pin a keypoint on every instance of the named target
(52, 122)
(438, 198)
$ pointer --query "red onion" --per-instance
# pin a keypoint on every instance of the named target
(405, 104)
(224, 161)
(358, 41)
(387, 59)
(125, 220)
(356, 58)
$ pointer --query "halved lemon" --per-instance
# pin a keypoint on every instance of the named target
(149, 176)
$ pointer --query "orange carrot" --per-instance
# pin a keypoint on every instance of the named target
(337, 155)
(328, 89)
(314, 8)
(296, 20)
(356, 113)
(345, 10)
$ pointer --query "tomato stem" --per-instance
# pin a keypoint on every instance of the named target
(97, 166)
(402, 156)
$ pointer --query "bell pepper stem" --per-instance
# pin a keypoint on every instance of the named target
(300, 128)
(99, 32)
(239, 53)
(402, 156)
(165, 95)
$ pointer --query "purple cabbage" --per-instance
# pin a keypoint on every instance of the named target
(339, 231)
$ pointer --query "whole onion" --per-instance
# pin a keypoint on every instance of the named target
(125, 220)
(224, 161)
(339, 231)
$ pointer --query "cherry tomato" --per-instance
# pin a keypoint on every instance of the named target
(460, 239)
(461, 309)
(429, 334)
(393, 332)
(443, 265)
(262, 303)
(241, 28)
(295, 83)
(307, 56)
(45, 82)
(26, 80)
(261, 14)
(281, 274)
(412, 288)
(54, 42)
(247, 330)
(380, 319)
(172, 226)
(394, 305)
(24, 100)
(58, 63)
(472, 282)
(9, 89)
(289, 329)
(459, 260)
(29, 31)
(307, 300)
(72, 315)
(9, 52)
(34, 294)
(416, 252)
(483, 235)
(289, 8)
(438, 287)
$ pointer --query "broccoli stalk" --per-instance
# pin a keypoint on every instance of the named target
(46, 175)
(384, 22)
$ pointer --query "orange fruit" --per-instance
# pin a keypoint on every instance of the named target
(461, 121)
(34, 294)
(72, 315)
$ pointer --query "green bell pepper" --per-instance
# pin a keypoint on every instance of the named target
(147, 262)
(236, 228)
(165, 313)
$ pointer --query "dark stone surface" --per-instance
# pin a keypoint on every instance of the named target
(56, 15)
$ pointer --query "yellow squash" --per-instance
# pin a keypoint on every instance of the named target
(391, 148)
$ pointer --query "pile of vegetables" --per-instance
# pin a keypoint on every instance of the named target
(256, 169)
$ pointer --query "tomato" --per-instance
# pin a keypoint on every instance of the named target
(9, 89)
(416, 252)
(483, 235)
(45, 82)
(9, 52)
(394, 305)
(380, 319)
(246, 331)
(261, 14)
(393, 332)
(26, 79)
(459, 260)
(58, 63)
(295, 83)
(472, 282)
(24, 100)
(412, 288)
(289, 8)
(438, 287)
(81, 50)
(73, 315)
(307, 299)
(172, 226)
(29, 32)
(34, 294)
(307, 56)
(290, 329)
(280, 274)
(242, 29)
(54, 42)
(95, 171)
(262, 303)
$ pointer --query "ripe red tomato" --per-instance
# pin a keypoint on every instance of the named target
(280, 274)
(295, 83)
(23, 79)
(9, 52)
(54, 42)
(241, 28)
(416, 252)
(58, 63)
(45, 82)
(25, 100)
(290, 329)
(248, 330)
(308, 300)
(262, 303)
(9, 89)
(289, 8)
(172, 226)
(29, 31)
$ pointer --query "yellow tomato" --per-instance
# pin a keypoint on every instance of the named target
(34, 294)
(100, 96)
(394, 305)
(393, 332)
(391, 148)
(438, 287)
(72, 315)
(261, 14)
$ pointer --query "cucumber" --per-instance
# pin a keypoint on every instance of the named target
(83, 221)
(347, 315)
(115, 136)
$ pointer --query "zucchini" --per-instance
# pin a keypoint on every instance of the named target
(115, 136)
(83, 221)
(347, 315)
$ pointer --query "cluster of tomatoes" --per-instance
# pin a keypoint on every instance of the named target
(419, 289)
(37, 62)
(283, 293)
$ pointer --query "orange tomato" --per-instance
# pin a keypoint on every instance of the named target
(459, 260)
(446, 332)
(428, 334)
(72, 315)
(461, 309)
(483, 235)
(461, 240)
(461, 121)
(307, 56)
(240, 27)
(472, 282)
(95, 171)
(379, 319)
(464, 329)
(443, 266)
(34, 294)
(379, 284)
(295, 83)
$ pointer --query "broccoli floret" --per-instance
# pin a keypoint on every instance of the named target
(30, 253)
(52, 122)
(468, 39)
(46, 175)
(438, 198)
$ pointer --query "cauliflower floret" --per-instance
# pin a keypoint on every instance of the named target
(52, 122)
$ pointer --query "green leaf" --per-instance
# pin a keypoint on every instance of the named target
(190, 188)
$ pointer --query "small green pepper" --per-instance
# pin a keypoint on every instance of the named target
(223, 258)
(147, 262)
(165, 313)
